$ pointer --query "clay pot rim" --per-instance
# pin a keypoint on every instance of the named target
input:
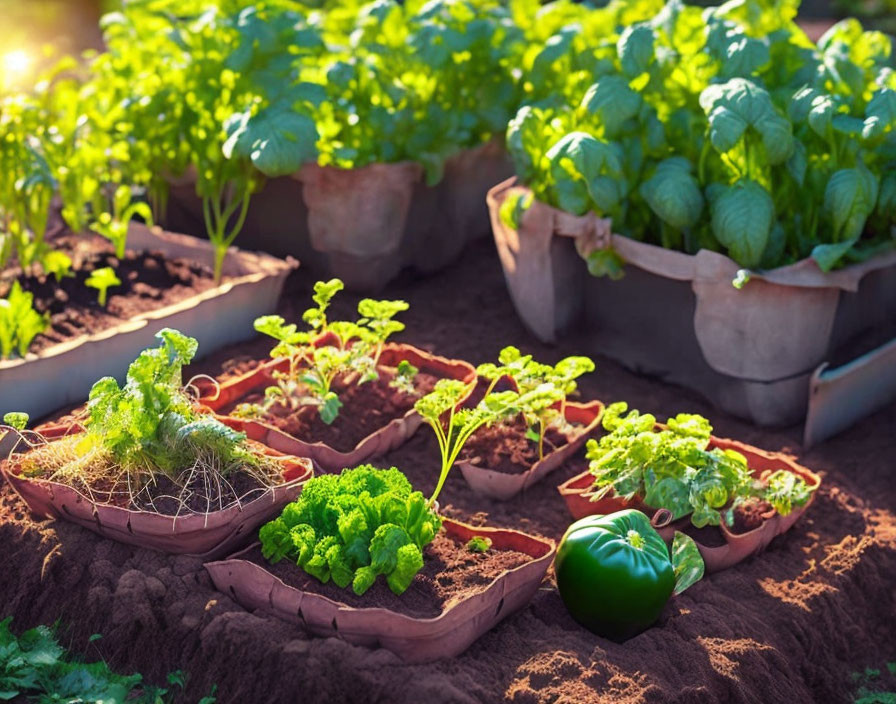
(55, 432)
(262, 370)
(548, 545)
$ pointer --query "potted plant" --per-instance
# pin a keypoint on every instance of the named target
(732, 498)
(338, 392)
(746, 198)
(540, 430)
(363, 557)
(147, 467)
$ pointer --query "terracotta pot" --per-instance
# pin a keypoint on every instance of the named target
(577, 494)
(205, 534)
(326, 458)
(503, 486)
(412, 639)
(42, 383)
(677, 316)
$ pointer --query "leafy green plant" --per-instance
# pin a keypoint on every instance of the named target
(543, 388)
(353, 527)
(35, 666)
(315, 358)
(113, 222)
(19, 322)
(723, 129)
(674, 469)
(102, 280)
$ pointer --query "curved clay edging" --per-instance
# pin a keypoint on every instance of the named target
(503, 486)
(576, 492)
(412, 639)
(326, 458)
(207, 535)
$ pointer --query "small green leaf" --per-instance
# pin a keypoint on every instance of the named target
(686, 561)
(479, 543)
(16, 420)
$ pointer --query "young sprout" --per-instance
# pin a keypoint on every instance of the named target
(113, 222)
(479, 543)
(461, 423)
(543, 389)
(20, 323)
(331, 347)
(16, 420)
(404, 378)
(102, 280)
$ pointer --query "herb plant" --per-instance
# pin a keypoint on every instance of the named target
(102, 280)
(353, 527)
(19, 322)
(453, 425)
(315, 358)
(543, 388)
(674, 469)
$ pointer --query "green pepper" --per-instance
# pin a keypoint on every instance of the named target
(614, 573)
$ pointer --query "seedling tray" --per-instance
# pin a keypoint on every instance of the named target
(208, 535)
(63, 374)
(503, 486)
(577, 494)
(326, 458)
(412, 639)
(752, 351)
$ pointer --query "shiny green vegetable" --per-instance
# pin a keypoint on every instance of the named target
(615, 575)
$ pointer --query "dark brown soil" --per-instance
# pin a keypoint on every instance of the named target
(163, 493)
(366, 408)
(789, 625)
(505, 448)
(149, 282)
(749, 516)
(450, 574)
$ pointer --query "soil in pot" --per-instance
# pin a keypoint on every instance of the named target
(450, 574)
(149, 281)
(505, 448)
(366, 408)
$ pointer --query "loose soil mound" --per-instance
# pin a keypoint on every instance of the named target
(504, 447)
(790, 625)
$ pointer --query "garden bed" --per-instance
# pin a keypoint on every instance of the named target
(41, 383)
(789, 625)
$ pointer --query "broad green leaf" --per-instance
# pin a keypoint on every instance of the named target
(742, 218)
(686, 561)
(673, 193)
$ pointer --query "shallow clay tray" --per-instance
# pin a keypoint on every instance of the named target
(205, 534)
(502, 485)
(412, 639)
(577, 494)
(326, 458)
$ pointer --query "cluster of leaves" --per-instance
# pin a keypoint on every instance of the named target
(151, 423)
(543, 389)
(314, 358)
(672, 468)
(35, 667)
(873, 688)
(724, 129)
(19, 322)
(353, 527)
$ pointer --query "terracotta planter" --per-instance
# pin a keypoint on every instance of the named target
(326, 458)
(750, 351)
(42, 383)
(413, 224)
(412, 639)
(209, 535)
(576, 492)
(503, 486)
